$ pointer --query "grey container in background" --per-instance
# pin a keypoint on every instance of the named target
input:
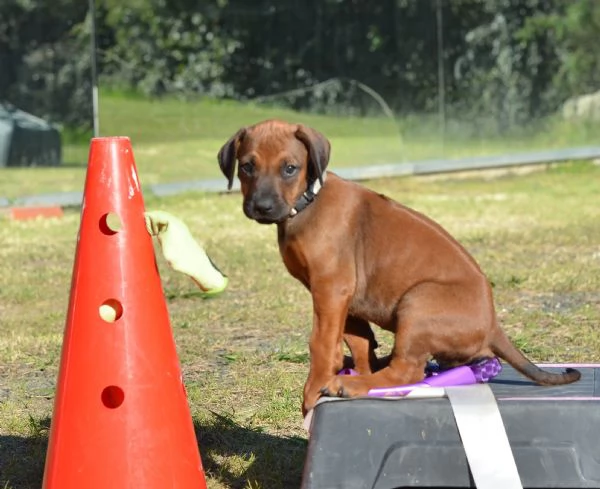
(26, 140)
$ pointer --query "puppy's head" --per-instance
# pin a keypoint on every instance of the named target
(277, 162)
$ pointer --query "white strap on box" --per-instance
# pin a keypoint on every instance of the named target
(484, 437)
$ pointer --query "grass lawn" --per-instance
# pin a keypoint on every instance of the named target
(176, 140)
(244, 353)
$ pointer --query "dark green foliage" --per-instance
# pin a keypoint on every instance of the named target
(44, 59)
(166, 46)
(505, 62)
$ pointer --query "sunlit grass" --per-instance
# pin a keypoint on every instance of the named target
(177, 140)
(244, 353)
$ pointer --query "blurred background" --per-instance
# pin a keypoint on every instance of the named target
(387, 81)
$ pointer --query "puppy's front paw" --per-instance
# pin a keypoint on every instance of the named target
(333, 390)
(344, 386)
(311, 396)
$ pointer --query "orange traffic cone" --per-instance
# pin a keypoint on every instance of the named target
(121, 417)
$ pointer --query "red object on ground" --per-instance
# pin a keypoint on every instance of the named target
(23, 213)
(121, 417)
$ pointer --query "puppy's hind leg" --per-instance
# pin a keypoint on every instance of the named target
(361, 342)
(406, 366)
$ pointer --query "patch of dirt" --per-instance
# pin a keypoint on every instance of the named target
(557, 302)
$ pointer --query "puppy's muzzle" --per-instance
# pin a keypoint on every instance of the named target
(266, 208)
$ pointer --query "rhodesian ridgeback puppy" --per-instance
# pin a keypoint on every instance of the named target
(366, 259)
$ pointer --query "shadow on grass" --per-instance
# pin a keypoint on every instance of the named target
(241, 457)
(22, 460)
(235, 456)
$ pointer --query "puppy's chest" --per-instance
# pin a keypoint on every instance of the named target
(372, 309)
(296, 262)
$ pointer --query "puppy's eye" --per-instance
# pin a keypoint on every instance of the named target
(289, 170)
(247, 168)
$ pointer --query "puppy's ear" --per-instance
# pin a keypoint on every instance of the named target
(228, 154)
(318, 148)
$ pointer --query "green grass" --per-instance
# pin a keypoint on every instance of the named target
(244, 353)
(177, 140)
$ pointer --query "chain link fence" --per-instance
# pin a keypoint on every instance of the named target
(394, 80)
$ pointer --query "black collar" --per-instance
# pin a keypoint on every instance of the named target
(307, 197)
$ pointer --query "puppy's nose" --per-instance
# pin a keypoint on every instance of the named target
(264, 205)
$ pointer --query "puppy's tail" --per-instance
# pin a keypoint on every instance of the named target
(502, 347)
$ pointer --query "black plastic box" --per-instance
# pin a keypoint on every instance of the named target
(374, 443)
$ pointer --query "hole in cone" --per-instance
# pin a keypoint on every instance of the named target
(110, 223)
(112, 396)
(110, 310)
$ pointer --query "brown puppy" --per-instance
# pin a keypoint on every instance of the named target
(366, 259)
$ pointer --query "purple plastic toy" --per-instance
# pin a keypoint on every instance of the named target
(474, 373)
